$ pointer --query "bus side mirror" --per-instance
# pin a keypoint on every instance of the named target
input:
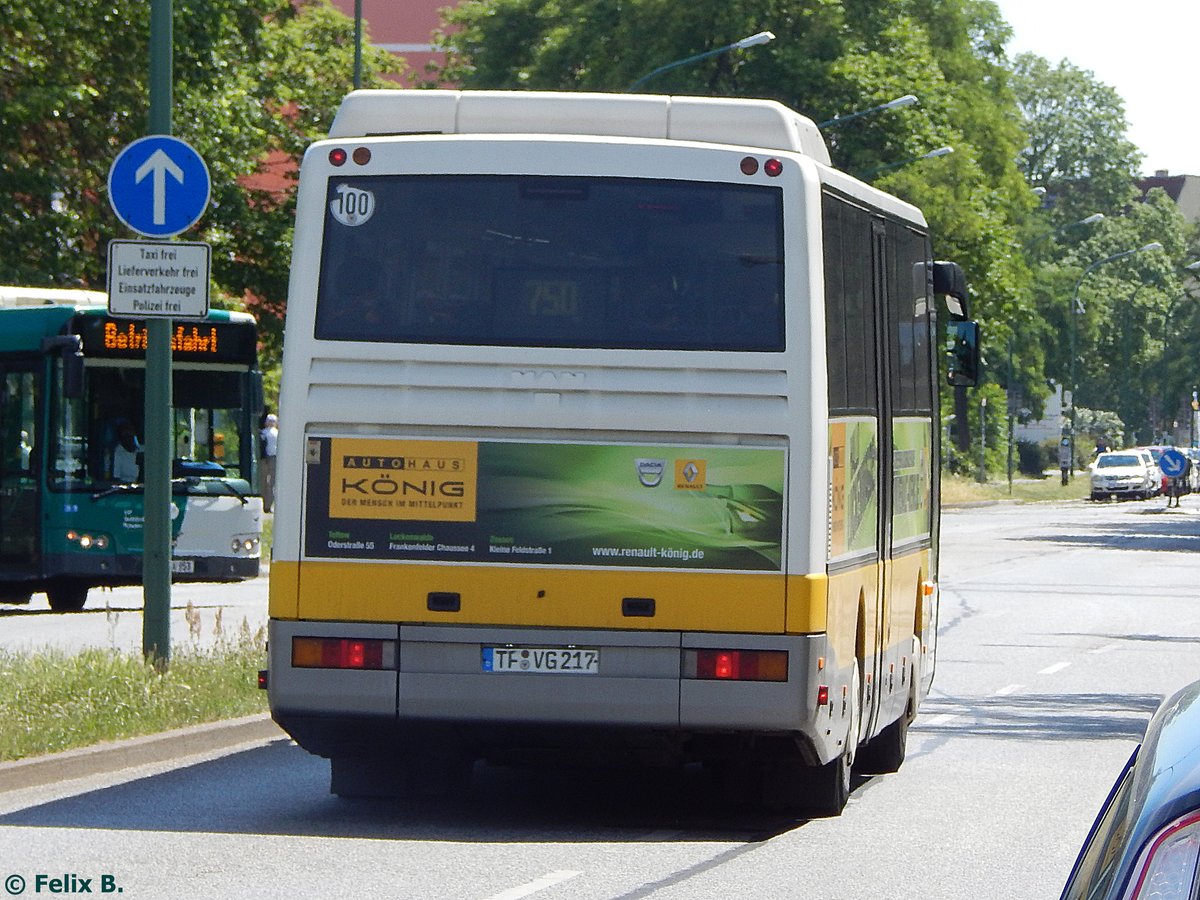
(962, 354)
(70, 350)
(258, 403)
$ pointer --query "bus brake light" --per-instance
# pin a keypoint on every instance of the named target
(342, 653)
(738, 665)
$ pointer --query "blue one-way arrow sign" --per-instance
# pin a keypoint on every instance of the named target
(159, 186)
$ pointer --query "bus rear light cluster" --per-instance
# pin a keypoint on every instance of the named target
(338, 156)
(343, 653)
(736, 665)
(88, 541)
(772, 168)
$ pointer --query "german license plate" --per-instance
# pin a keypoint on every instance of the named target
(542, 660)
(183, 566)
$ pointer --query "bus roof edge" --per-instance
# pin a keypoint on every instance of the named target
(716, 120)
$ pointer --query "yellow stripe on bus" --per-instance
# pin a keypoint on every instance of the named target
(566, 598)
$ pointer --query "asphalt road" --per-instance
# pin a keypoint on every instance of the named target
(1062, 625)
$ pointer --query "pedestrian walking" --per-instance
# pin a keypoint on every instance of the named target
(1178, 485)
(269, 441)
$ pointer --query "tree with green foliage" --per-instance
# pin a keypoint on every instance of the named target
(1118, 318)
(1078, 149)
(1079, 153)
(828, 59)
(255, 81)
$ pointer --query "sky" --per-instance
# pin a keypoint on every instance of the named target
(1148, 51)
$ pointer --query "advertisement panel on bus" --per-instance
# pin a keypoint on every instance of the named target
(679, 507)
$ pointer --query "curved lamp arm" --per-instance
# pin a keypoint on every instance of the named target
(753, 40)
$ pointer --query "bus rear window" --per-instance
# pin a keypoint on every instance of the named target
(552, 262)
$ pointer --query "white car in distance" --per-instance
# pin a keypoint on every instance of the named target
(1123, 474)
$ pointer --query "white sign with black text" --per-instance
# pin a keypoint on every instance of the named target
(152, 279)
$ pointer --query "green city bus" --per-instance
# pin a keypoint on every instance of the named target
(71, 497)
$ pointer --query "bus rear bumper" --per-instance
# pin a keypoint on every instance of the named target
(438, 679)
(124, 569)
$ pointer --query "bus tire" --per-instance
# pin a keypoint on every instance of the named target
(885, 752)
(823, 791)
(827, 788)
(67, 595)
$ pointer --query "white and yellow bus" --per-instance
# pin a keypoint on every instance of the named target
(608, 428)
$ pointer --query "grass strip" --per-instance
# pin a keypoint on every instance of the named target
(957, 489)
(52, 700)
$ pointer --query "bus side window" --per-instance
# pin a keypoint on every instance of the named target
(18, 421)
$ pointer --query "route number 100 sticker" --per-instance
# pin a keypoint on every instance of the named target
(352, 206)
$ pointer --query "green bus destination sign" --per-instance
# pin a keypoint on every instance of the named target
(151, 279)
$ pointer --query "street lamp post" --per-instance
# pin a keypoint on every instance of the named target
(1076, 307)
(906, 100)
(932, 154)
(1041, 239)
(754, 40)
(358, 30)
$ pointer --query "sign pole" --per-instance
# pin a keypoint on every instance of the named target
(156, 533)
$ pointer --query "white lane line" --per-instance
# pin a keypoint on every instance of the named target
(1009, 689)
(538, 884)
(1057, 667)
(1107, 648)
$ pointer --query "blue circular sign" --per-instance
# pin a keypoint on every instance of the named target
(159, 186)
(1172, 462)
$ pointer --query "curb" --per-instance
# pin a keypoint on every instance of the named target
(114, 756)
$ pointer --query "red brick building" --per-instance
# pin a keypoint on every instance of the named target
(404, 27)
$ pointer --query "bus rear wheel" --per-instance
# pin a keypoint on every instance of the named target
(818, 791)
(67, 595)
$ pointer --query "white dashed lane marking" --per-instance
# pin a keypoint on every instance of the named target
(532, 887)
(1057, 667)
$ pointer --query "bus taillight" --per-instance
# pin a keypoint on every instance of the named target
(342, 653)
(736, 665)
